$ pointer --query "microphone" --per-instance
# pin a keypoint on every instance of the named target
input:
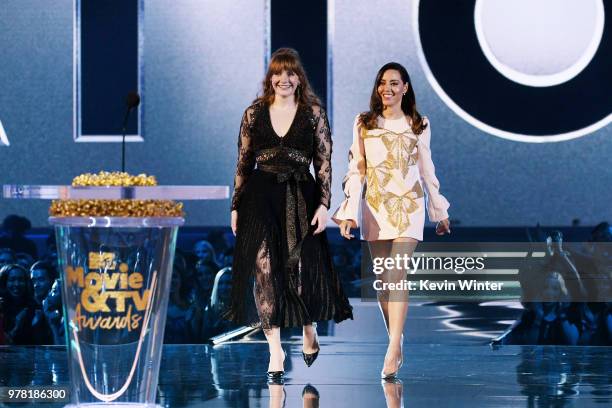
(132, 101)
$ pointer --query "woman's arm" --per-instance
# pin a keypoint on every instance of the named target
(437, 205)
(353, 180)
(246, 157)
(322, 156)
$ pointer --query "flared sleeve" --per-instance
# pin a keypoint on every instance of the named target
(437, 205)
(246, 157)
(353, 181)
(321, 159)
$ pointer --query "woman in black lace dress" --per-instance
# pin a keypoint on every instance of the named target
(282, 270)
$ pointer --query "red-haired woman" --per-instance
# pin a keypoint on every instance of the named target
(391, 151)
(279, 214)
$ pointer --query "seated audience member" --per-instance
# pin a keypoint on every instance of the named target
(7, 256)
(42, 275)
(205, 276)
(554, 316)
(24, 260)
(184, 315)
(545, 317)
(14, 228)
(227, 258)
(18, 305)
(214, 323)
(558, 259)
(602, 233)
(205, 252)
(52, 308)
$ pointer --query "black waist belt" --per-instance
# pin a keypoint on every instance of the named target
(295, 206)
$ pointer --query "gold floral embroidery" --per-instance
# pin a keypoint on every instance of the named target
(377, 179)
(400, 207)
(400, 147)
(400, 156)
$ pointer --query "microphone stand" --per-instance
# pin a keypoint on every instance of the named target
(124, 130)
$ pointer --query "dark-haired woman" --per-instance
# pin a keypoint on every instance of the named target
(18, 305)
(279, 214)
(391, 153)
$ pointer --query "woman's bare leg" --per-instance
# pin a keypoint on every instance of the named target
(277, 395)
(381, 249)
(397, 306)
(393, 394)
(277, 355)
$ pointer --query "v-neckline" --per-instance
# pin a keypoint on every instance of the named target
(290, 126)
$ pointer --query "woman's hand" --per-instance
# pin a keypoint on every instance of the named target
(320, 219)
(345, 229)
(38, 316)
(234, 221)
(20, 319)
(443, 227)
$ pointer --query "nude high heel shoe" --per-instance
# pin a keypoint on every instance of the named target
(400, 361)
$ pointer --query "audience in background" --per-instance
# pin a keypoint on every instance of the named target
(567, 294)
(7, 256)
(42, 278)
(52, 308)
(206, 268)
(31, 306)
(12, 236)
(24, 260)
(184, 314)
(214, 323)
(18, 305)
(205, 276)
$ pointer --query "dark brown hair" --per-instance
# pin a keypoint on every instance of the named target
(370, 119)
(288, 59)
(5, 271)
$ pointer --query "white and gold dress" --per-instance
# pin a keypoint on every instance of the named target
(399, 175)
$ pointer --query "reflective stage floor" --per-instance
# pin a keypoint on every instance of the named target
(447, 363)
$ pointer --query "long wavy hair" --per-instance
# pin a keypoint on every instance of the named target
(370, 119)
(5, 271)
(288, 59)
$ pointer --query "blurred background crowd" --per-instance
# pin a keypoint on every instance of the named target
(565, 293)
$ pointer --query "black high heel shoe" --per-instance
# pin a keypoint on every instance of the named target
(277, 377)
(309, 358)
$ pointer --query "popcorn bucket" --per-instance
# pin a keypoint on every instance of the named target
(115, 254)
(116, 275)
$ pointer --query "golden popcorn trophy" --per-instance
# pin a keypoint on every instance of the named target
(116, 237)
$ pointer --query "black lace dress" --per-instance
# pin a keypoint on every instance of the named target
(282, 274)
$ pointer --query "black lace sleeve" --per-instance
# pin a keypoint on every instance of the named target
(322, 155)
(246, 157)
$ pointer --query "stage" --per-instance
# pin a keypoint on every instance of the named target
(447, 363)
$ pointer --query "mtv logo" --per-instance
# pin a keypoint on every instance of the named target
(102, 260)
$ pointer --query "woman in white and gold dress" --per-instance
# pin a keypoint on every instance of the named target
(391, 153)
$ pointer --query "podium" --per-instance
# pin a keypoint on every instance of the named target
(115, 274)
